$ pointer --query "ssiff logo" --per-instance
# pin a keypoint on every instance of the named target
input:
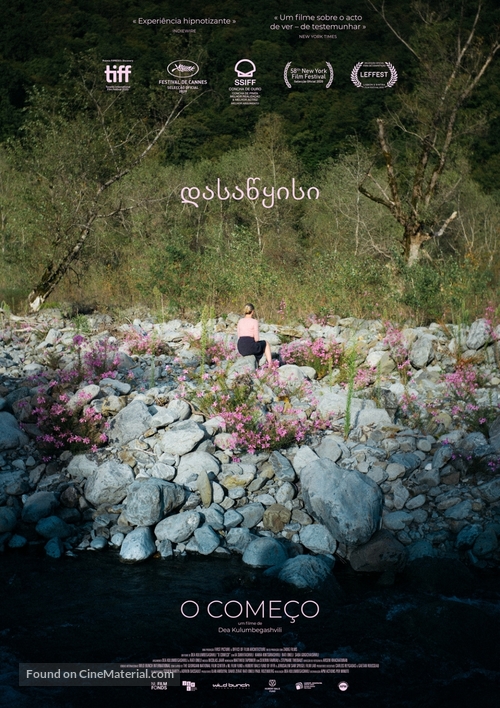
(117, 74)
(245, 69)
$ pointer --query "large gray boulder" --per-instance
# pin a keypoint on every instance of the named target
(382, 552)
(264, 552)
(467, 536)
(282, 467)
(138, 545)
(348, 503)
(10, 434)
(252, 514)
(238, 539)
(479, 334)
(490, 490)
(8, 519)
(494, 432)
(179, 408)
(335, 402)
(54, 547)
(363, 411)
(329, 448)
(182, 438)
(243, 365)
(38, 506)
(236, 475)
(372, 416)
(53, 527)
(318, 539)
(81, 466)
(207, 539)
(303, 457)
(130, 423)
(422, 351)
(163, 417)
(291, 374)
(109, 483)
(149, 500)
(304, 571)
(179, 527)
(192, 464)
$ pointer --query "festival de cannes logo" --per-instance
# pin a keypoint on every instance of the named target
(183, 68)
(374, 74)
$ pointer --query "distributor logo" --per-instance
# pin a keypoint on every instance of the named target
(183, 68)
(117, 74)
(374, 74)
(271, 687)
(189, 685)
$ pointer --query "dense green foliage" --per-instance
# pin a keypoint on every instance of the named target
(64, 136)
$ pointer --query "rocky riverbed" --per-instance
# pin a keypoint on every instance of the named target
(168, 483)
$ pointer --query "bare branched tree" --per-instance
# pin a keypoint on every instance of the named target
(83, 188)
(452, 59)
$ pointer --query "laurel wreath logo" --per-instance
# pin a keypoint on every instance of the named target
(355, 79)
(330, 80)
(354, 74)
(394, 74)
(285, 75)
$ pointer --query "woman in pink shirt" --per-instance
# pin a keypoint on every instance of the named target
(248, 336)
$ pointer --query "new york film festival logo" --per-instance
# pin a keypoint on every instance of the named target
(296, 75)
(117, 73)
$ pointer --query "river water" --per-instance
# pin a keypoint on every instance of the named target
(434, 633)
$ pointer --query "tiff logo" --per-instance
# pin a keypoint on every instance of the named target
(117, 73)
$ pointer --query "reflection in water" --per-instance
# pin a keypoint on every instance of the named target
(432, 651)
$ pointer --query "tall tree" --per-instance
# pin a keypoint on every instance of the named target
(81, 148)
(453, 49)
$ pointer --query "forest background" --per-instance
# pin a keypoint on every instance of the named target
(90, 180)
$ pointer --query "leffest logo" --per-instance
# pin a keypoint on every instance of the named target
(374, 74)
(183, 68)
(117, 74)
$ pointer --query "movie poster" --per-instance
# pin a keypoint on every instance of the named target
(210, 630)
